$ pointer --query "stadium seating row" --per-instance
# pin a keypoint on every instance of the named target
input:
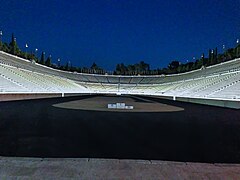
(220, 81)
(19, 80)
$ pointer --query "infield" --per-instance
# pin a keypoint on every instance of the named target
(99, 103)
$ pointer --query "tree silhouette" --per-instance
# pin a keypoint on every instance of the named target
(48, 61)
(13, 46)
(42, 60)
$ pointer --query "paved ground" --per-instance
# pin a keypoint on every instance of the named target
(36, 168)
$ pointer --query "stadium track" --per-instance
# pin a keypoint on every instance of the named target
(199, 133)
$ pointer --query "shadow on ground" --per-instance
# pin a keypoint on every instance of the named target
(200, 133)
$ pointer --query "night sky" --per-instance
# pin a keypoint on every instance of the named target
(114, 31)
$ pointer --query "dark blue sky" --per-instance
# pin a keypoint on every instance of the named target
(114, 31)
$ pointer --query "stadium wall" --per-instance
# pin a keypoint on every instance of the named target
(233, 104)
(212, 102)
(25, 96)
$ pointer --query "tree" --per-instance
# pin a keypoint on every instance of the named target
(94, 66)
(173, 65)
(66, 66)
(30, 56)
(123, 69)
(143, 66)
(42, 60)
(237, 49)
(216, 56)
(118, 69)
(131, 69)
(212, 56)
(5, 47)
(13, 46)
(209, 57)
(230, 54)
(180, 68)
(203, 61)
(48, 61)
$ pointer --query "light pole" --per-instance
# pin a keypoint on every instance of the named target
(26, 49)
(237, 47)
(1, 33)
(36, 50)
(212, 57)
(69, 65)
(223, 47)
(58, 62)
(42, 61)
(202, 57)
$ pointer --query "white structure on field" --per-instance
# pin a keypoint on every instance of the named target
(119, 106)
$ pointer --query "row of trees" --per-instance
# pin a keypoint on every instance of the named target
(213, 58)
(177, 67)
(132, 69)
(14, 49)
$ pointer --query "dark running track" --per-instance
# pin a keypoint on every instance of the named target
(199, 133)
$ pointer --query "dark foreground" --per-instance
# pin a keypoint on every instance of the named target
(35, 128)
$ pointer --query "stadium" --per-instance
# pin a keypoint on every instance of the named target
(113, 89)
(189, 117)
